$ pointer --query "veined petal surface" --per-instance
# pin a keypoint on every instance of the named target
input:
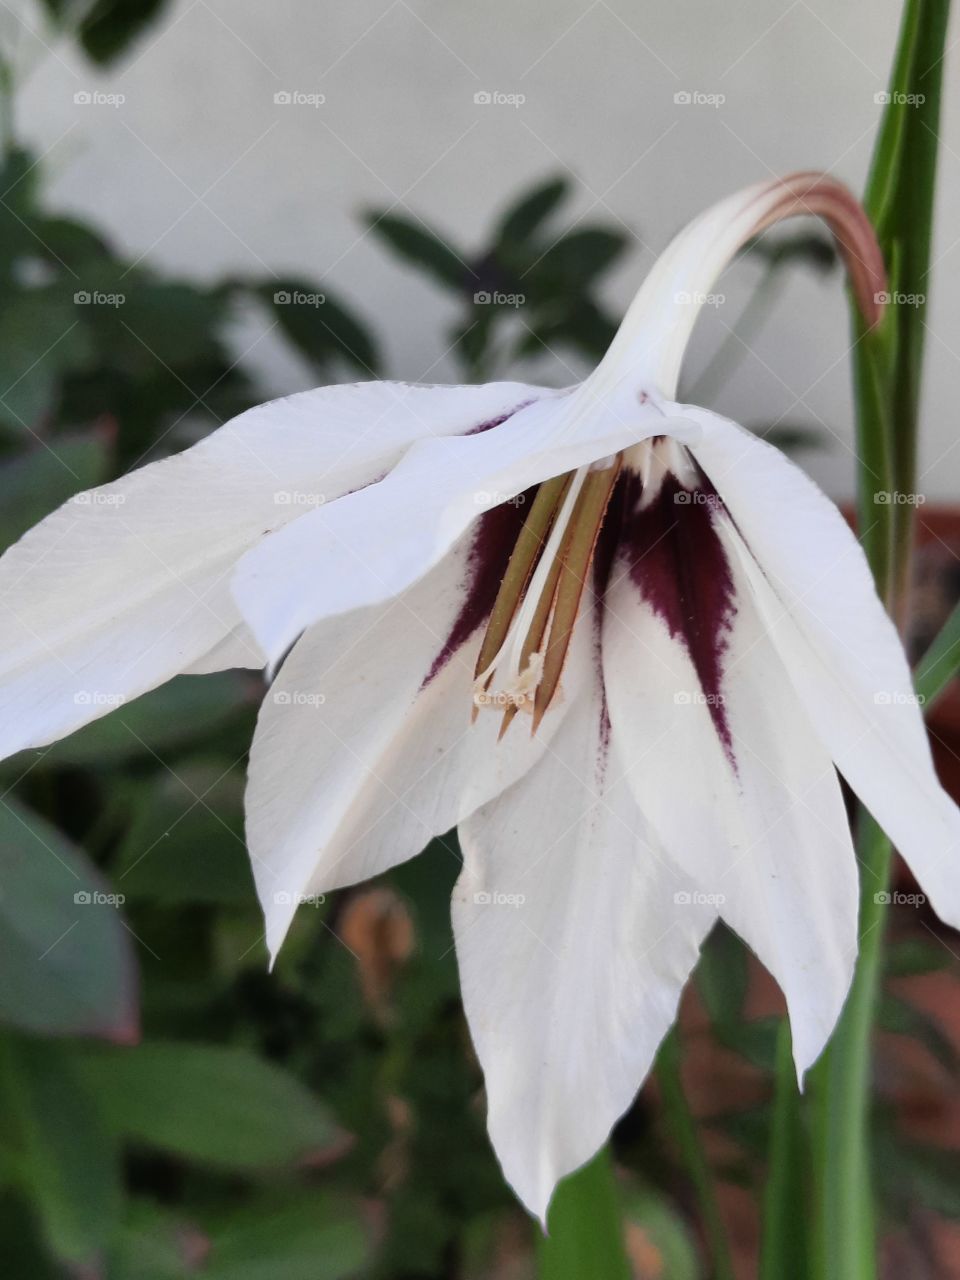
(127, 585)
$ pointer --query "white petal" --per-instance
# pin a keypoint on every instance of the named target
(357, 763)
(372, 544)
(572, 952)
(741, 793)
(127, 585)
(840, 649)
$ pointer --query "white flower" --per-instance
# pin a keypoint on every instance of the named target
(619, 641)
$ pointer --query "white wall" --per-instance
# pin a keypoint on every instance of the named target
(202, 172)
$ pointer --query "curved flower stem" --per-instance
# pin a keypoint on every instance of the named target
(683, 1126)
(584, 1234)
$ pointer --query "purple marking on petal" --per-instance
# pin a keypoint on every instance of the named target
(499, 421)
(495, 535)
(673, 554)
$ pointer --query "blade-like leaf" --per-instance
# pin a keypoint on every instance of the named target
(784, 1250)
(319, 326)
(67, 1160)
(424, 248)
(940, 663)
(528, 214)
(584, 1230)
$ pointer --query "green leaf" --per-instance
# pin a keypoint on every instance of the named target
(41, 337)
(422, 247)
(931, 1177)
(908, 957)
(184, 710)
(755, 1040)
(216, 1105)
(65, 243)
(319, 326)
(67, 1161)
(184, 842)
(585, 1235)
(528, 214)
(312, 1236)
(900, 201)
(156, 1244)
(577, 258)
(39, 481)
(111, 26)
(905, 1019)
(66, 960)
(722, 976)
(940, 663)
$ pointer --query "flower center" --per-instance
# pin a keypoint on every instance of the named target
(531, 624)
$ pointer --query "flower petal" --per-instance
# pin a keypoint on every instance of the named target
(813, 587)
(735, 782)
(127, 585)
(372, 544)
(573, 951)
(365, 750)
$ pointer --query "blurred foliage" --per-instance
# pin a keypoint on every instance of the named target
(532, 290)
(168, 1108)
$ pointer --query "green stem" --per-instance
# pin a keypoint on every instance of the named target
(785, 1247)
(845, 1246)
(683, 1128)
(584, 1234)
(887, 373)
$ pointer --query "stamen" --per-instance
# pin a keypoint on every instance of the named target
(532, 621)
(574, 564)
(533, 534)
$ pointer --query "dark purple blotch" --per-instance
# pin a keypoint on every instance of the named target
(671, 551)
(494, 537)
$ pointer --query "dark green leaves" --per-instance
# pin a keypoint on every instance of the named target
(321, 328)
(65, 1159)
(108, 27)
(217, 1106)
(423, 248)
(528, 293)
(525, 217)
(66, 960)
